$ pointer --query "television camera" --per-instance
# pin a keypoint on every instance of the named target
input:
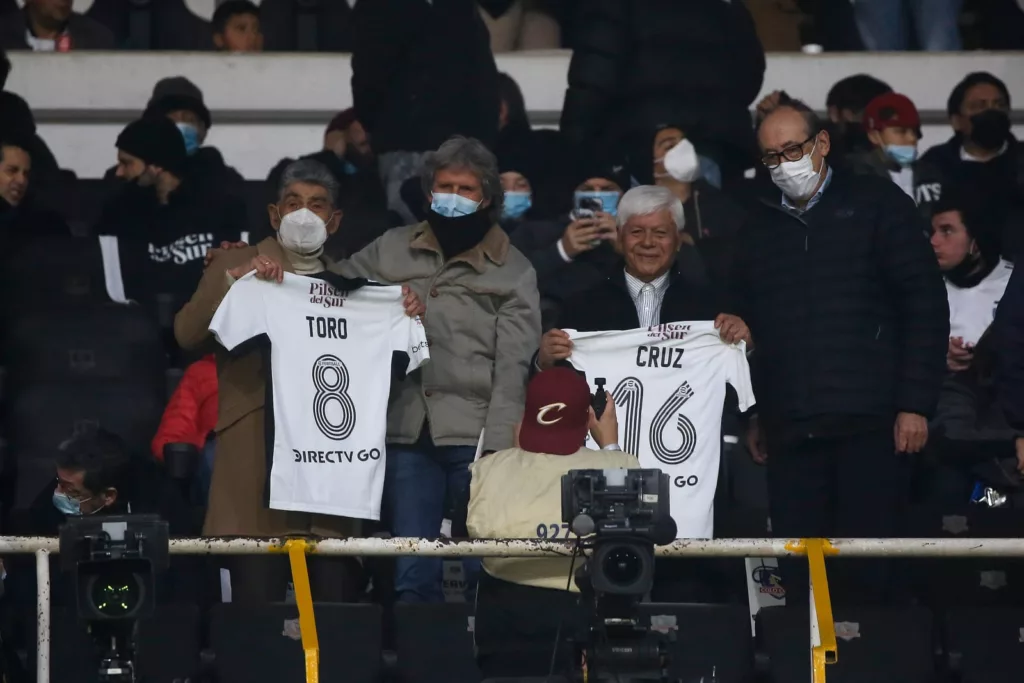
(114, 561)
(627, 514)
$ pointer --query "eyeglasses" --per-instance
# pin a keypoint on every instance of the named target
(791, 153)
(77, 497)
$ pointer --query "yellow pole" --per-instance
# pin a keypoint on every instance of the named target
(296, 549)
(824, 651)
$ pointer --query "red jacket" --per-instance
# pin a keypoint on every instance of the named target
(191, 414)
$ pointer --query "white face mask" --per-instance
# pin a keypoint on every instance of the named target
(302, 231)
(797, 179)
(681, 162)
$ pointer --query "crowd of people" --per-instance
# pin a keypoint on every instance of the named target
(870, 286)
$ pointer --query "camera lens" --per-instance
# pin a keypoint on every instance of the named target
(115, 595)
(622, 566)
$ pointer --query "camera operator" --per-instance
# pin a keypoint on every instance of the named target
(516, 493)
(97, 474)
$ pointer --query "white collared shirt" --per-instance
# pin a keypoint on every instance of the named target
(647, 296)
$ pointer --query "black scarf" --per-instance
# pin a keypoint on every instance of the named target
(970, 272)
(460, 234)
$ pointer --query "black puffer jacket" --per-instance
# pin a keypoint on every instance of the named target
(638, 65)
(422, 73)
(846, 306)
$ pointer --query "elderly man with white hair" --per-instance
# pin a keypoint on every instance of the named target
(648, 288)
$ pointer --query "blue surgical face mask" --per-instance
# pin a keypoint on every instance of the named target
(904, 155)
(191, 136)
(516, 204)
(609, 199)
(452, 205)
(66, 504)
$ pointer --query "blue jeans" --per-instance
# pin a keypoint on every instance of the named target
(420, 479)
(883, 24)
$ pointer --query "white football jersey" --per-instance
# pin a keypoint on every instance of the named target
(972, 309)
(330, 367)
(668, 383)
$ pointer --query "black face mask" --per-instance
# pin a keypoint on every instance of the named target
(461, 233)
(990, 129)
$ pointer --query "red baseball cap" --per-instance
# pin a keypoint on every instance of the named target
(891, 110)
(557, 412)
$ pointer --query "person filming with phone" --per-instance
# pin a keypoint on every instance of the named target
(571, 254)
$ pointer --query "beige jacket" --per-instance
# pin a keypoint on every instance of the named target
(482, 323)
(518, 494)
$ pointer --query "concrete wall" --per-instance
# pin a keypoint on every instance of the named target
(269, 106)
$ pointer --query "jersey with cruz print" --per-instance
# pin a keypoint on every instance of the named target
(330, 371)
(668, 382)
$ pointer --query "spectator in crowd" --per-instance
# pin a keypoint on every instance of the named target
(711, 218)
(546, 153)
(846, 306)
(347, 155)
(164, 220)
(401, 48)
(893, 127)
(636, 65)
(21, 218)
(236, 27)
(97, 474)
(482, 320)
(518, 194)
(304, 215)
(17, 122)
(520, 25)
(934, 24)
(966, 242)
(52, 26)
(982, 159)
(521, 602)
(190, 417)
(846, 102)
(645, 288)
(181, 101)
(572, 253)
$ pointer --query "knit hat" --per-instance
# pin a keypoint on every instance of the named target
(557, 412)
(178, 93)
(155, 140)
(593, 166)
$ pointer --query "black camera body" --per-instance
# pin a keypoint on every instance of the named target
(114, 560)
(627, 513)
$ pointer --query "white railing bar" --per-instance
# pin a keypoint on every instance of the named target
(722, 547)
(42, 616)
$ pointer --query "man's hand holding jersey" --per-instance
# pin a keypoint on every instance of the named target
(268, 269)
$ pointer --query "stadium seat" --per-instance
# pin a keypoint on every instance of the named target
(708, 640)
(168, 646)
(53, 273)
(434, 643)
(986, 645)
(874, 644)
(44, 415)
(967, 581)
(104, 342)
(271, 649)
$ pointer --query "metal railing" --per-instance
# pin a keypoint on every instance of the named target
(822, 631)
